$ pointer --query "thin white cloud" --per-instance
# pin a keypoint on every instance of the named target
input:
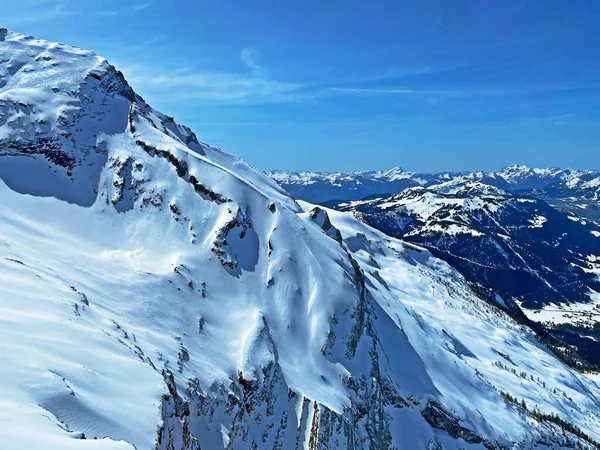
(393, 91)
(142, 6)
(138, 7)
(393, 74)
(251, 87)
(215, 87)
(246, 88)
(336, 123)
(41, 11)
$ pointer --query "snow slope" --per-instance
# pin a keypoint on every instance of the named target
(157, 293)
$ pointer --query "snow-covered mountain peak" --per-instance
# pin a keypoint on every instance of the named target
(63, 107)
(456, 199)
(529, 178)
(516, 168)
(57, 104)
(463, 186)
(391, 174)
(580, 182)
(27, 61)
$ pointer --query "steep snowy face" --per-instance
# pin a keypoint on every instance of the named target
(157, 293)
(519, 246)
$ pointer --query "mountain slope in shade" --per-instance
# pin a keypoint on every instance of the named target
(579, 195)
(157, 293)
(519, 246)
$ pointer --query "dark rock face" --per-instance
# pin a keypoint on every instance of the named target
(179, 165)
(114, 82)
(175, 414)
(321, 217)
(287, 419)
(439, 418)
(200, 189)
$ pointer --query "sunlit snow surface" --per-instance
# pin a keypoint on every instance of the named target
(214, 274)
(584, 314)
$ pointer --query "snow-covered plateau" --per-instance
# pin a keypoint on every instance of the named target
(158, 293)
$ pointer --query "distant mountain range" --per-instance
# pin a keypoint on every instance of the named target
(571, 190)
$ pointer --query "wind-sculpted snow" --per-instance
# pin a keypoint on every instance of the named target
(157, 293)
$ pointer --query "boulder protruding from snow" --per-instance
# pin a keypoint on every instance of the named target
(321, 217)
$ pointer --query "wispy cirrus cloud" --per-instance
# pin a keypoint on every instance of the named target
(226, 87)
(32, 11)
(389, 91)
(141, 6)
(129, 9)
(108, 12)
(252, 86)
(255, 85)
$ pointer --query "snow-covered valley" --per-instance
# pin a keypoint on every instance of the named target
(158, 293)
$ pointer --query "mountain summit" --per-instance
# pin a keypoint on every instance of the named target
(158, 293)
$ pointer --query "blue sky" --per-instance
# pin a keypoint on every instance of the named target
(345, 85)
